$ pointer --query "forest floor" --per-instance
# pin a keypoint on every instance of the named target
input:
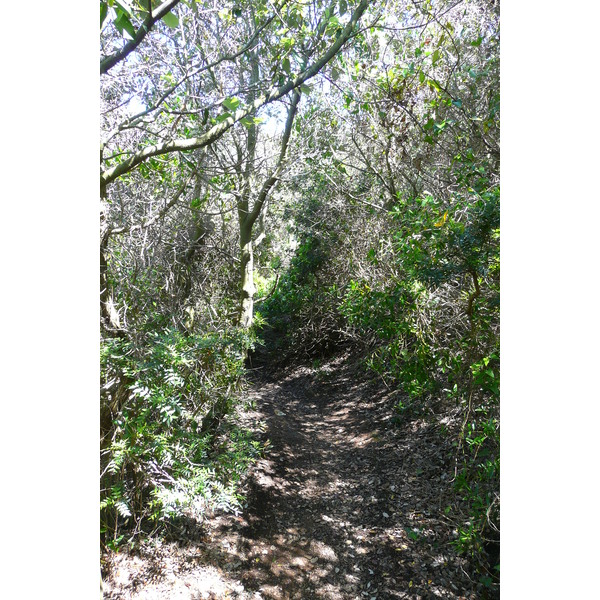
(347, 503)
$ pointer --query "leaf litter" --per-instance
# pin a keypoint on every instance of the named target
(346, 504)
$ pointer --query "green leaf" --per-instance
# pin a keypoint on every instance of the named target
(477, 42)
(285, 65)
(123, 7)
(421, 76)
(335, 74)
(171, 20)
(122, 23)
(103, 12)
(333, 25)
(343, 7)
(231, 103)
(457, 103)
(306, 89)
(434, 85)
(435, 57)
(288, 42)
(248, 122)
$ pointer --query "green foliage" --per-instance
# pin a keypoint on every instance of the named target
(479, 452)
(123, 16)
(171, 20)
(103, 12)
(389, 317)
(170, 443)
(231, 104)
(438, 242)
(302, 309)
(477, 484)
(393, 212)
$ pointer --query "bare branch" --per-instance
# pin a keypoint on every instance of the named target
(199, 70)
(161, 213)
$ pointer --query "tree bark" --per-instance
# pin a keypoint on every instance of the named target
(247, 217)
(246, 276)
(110, 61)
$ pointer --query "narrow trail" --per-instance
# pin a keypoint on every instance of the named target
(347, 504)
(343, 506)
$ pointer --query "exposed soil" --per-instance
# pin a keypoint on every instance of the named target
(348, 503)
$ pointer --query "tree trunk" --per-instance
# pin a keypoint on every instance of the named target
(246, 275)
(107, 317)
(247, 217)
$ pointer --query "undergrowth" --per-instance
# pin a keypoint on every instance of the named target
(425, 311)
(171, 442)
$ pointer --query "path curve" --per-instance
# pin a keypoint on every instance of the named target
(348, 503)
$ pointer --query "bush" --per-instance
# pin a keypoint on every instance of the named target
(303, 309)
(432, 322)
(171, 445)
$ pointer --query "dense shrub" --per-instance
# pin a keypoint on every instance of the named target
(170, 442)
(303, 310)
(433, 320)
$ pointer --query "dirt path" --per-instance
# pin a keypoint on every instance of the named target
(347, 504)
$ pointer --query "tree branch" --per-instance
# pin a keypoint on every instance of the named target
(153, 219)
(272, 180)
(206, 67)
(218, 130)
(110, 61)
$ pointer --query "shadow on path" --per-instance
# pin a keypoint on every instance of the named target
(347, 505)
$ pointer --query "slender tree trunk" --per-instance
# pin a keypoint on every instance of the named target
(247, 217)
(107, 320)
(246, 275)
